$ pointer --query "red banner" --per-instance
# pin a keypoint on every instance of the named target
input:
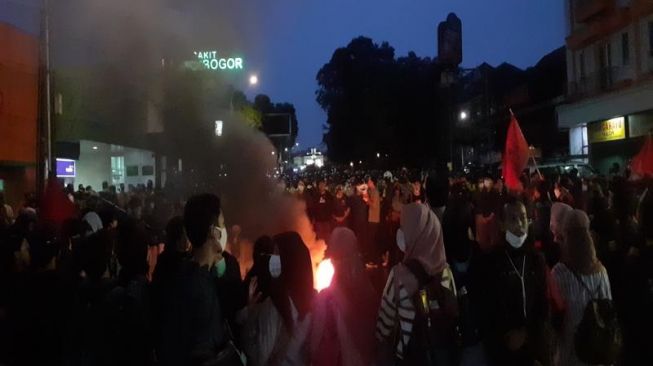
(642, 163)
(515, 156)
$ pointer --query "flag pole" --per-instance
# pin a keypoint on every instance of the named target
(537, 169)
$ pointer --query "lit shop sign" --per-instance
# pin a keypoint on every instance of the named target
(610, 130)
(211, 61)
(66, 168)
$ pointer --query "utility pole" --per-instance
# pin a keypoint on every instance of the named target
(48, 87)
(45, 159)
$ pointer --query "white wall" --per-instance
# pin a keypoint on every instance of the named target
(140, 158)
(620, 103)
(94, 165)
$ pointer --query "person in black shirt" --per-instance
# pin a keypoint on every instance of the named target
(515, 313)
(341, 208)
(323, 211)
(192, 324)
(360, 216)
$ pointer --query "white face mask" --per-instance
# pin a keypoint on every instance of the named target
(275, 266)
(223, 237)
(514, 240)
(401, 240)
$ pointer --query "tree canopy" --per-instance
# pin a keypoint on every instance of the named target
(377, 103)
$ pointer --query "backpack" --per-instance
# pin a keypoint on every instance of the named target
(598, 339)
(436, 312)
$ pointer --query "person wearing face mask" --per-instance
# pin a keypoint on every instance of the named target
(275, 331)
(412, 334)
(192, 329)
(515, 312)
(228, 283)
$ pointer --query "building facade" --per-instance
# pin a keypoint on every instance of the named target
(610, 79)
(19, 100)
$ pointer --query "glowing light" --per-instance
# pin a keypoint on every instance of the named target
(463, 115)
(378, 155)
(95, 147)
(218, 128)
(253, 80)
(351, 164)
(324, 275)
(211, 61)
(273, 153)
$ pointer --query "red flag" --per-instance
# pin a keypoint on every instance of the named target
(515, 156)
(55, 205)
(642, 163)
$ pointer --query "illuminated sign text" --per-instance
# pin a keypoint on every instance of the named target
(211, 61)
(610, 130)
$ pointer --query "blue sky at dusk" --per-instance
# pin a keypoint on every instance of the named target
(287, 41)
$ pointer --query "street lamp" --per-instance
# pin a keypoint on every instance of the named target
(253, 79)
(463, 115)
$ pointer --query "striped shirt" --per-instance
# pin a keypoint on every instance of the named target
(397, 311)
(575, 298)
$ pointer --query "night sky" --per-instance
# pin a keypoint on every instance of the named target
(287, 41)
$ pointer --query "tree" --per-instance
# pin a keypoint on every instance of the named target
(274, 117)
(379, 104)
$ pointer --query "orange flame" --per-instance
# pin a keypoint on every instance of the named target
(324, 275)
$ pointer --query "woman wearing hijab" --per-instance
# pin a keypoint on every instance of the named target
(275, 331)
(420, 238)
(551, 249)
(343, 323)
(578, 263)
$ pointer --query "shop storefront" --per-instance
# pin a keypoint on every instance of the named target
(610, 141)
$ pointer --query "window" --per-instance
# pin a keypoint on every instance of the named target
(132, 171)
(117, 170)
(625, 48)
(650, 38)
(148, 170)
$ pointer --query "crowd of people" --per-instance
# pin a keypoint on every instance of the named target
(428, 270)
